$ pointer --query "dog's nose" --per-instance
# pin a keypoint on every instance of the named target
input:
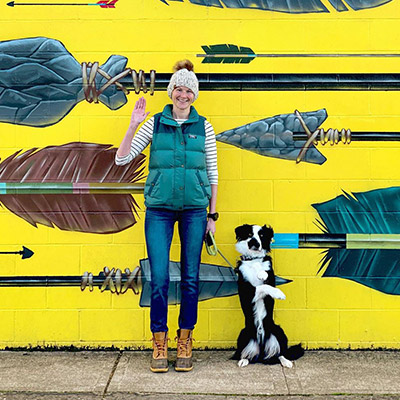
(253, 244)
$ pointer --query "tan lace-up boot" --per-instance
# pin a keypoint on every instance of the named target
(159, 361)
(184, 351)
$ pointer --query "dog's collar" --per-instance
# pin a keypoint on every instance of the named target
(249, 258)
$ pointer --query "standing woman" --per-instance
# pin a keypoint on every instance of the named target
(182, 182)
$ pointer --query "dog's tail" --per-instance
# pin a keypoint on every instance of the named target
(294, 352)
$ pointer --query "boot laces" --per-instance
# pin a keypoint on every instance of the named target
(183, 345)
(160, 346)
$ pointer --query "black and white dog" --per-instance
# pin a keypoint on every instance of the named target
(261, 340)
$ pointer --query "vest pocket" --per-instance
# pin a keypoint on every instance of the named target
(201, 183)
(153, 183)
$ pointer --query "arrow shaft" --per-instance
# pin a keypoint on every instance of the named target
(294, 55)
(57, 4)
(10, 252)
(343, 241)
(69, 188)
(360, 136)
(40, 281)
(44, 281)
(282, 82)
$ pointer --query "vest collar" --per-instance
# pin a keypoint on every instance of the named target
(168, 119)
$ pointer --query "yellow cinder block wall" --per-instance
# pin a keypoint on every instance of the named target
(319, 312)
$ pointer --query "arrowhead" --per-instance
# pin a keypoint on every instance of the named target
(11, 3)
(281, 281)
(165, 2)
(26, 253)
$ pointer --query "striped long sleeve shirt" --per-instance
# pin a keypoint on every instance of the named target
(145, 134)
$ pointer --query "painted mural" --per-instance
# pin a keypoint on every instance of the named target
(41, 82)
(371, 256)
(233, 54)
(287, 6)
(309, 6)
(72, 210)
(215, 281)
(74, 187)
(274, 136)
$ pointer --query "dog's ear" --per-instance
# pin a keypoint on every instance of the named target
(243, 232)
(268, 231)
(267, 235)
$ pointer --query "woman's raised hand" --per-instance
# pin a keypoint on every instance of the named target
(139, 113)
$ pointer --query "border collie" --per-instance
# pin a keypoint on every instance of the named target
(261, 340)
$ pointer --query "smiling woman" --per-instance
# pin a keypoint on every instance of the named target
(182, 182)
(182, 98)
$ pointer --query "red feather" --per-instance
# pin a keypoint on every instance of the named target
(76, 163)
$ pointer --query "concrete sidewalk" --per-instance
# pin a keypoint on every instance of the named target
(319, 375)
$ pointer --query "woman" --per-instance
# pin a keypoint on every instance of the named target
(182, 182)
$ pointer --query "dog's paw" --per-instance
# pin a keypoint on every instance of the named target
(285, 362)
(277, 294)
(243, 362)
(262, 275)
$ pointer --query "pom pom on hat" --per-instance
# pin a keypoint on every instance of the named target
(184, 76)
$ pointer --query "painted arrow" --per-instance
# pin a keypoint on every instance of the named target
(294, 136)
(215, 281)
(335, 241)
(25, 252)
(46, 70)
(233, 54)
(102, 4)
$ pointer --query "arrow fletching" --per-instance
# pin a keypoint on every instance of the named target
(373, 212)
(77, 163)
(228, 54)
(107, 4)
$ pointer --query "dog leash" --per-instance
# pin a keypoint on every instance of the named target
(213, 250)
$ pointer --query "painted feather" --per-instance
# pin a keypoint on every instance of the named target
(290, 6)
(243, 55)
(77, 163)
(373, 212)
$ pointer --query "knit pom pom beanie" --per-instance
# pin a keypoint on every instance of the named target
(184, 76)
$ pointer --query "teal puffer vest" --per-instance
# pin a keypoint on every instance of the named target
(177, 177)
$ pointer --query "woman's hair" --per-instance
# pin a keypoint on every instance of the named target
(183, 64)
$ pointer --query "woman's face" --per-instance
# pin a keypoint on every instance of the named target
(182, 98)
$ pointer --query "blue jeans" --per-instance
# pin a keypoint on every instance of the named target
(159, 228)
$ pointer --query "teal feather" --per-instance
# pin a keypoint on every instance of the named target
(244, 55)
(373, 212)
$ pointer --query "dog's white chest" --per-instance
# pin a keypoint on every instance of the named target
(252, 271)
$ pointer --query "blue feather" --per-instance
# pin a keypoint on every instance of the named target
(373, 212)
(290, 6)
